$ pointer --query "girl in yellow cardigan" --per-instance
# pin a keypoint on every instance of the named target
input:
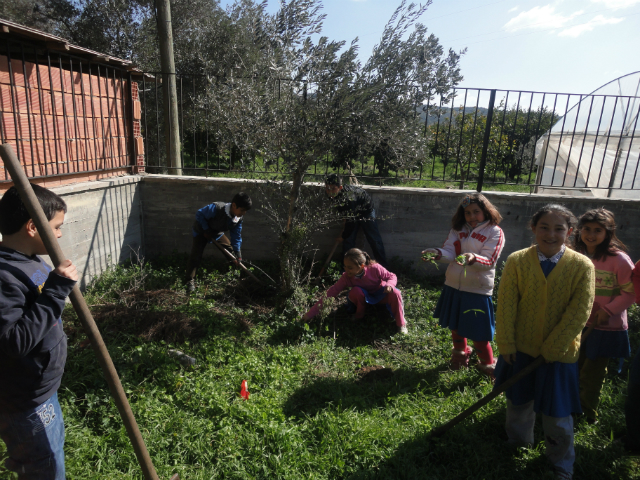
(544, 301)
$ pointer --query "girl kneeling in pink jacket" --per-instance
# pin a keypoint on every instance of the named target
(370, 283)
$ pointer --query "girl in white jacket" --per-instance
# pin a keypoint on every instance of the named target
(472, 250)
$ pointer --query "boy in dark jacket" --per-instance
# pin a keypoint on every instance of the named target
(357, 204)
(211, 223)
(33, 346)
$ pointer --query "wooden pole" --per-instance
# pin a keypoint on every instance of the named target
(12, 164)
(333, 250)
(483, 401)
(169, 92)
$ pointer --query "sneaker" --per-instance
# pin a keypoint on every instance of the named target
(460, 358)
(488, 369)
(191, 286)
(403, 330)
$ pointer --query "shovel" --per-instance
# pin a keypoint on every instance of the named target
(12, 164)
(496, 391)
(232, 257)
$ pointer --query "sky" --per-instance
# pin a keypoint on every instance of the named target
(567, 46)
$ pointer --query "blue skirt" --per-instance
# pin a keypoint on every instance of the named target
(470, 314)
(608, 344)
(554, 387)
(370, 298)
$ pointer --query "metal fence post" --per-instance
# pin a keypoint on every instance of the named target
(485, 141)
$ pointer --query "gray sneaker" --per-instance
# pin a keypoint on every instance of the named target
(403, 330)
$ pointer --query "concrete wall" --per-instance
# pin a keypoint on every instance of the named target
(103, 225)
(414, 218)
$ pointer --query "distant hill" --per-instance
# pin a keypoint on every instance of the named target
(445, 112)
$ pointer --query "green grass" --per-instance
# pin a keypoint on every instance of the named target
(321, 404)
(367, 174)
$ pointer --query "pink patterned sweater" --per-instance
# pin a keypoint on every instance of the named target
(614, 290)
(375, 276)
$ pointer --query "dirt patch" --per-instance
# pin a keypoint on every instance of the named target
(375, 373)
(146, 314)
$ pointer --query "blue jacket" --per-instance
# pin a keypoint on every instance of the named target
(33, 346)
(208, 213)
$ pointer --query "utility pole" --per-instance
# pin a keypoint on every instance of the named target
(169, 93)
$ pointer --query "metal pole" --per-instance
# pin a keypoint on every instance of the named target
(485, 142)
(23, 186)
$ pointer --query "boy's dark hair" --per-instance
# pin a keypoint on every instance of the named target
(242, 200)
(359, 257)
(14, 214)
(490, 212)
(561, 210)
(611, 244)
(333, 179)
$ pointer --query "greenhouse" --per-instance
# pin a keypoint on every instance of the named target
(595, 146)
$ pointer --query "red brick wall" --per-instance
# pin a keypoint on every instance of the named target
(66, 124)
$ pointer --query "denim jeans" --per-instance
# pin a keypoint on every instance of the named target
(370, 228)
(35, 441)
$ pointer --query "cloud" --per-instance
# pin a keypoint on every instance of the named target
(617, 4)
(539, 18)
(513, 9)
(588, 26)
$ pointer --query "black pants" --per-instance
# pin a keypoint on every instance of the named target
(197, 249)
(372, 234)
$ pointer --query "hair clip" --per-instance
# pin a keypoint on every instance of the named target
(466, 201)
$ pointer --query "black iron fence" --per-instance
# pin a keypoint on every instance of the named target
(471, 137)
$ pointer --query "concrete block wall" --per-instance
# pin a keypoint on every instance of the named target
(110, 220)
(103, 224)
(413, 218)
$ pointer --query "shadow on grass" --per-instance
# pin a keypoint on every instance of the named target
(373, 388)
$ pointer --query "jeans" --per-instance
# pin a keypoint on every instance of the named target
(370, 228)
(35, 441)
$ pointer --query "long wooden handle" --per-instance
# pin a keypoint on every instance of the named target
(232, 257)
(324, 267)
(483, 401)
(12, 164)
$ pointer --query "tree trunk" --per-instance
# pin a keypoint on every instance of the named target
(286, 250)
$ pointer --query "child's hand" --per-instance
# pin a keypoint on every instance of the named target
(388, 289)
(67, 270)
(430, 250)
(601, 316)
(208, 236)
(509, 358)
(469, 258)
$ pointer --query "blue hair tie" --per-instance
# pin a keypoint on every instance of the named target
(466, 201)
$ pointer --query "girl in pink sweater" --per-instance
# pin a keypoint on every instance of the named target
(370, 283)
(614, 294)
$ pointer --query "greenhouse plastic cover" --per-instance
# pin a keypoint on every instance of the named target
(595, 146)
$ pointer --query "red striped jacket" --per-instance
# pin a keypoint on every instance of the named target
(486, 242)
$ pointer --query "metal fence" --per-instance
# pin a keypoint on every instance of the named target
(475, 137)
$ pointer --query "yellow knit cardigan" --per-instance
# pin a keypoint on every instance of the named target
(544, 316)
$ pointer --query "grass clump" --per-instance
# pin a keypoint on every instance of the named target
(334, 399)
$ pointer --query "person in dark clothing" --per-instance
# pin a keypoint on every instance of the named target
(211, 223)
(357, 204)
(33, 345)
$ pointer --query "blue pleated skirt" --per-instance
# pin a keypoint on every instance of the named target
(370, 298)
(554, 387)
(470, 314)
(608, 344)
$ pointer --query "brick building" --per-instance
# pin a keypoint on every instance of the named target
(70, 114)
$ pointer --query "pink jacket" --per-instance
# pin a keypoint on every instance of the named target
(614, 290)
(375, 276)
(485, 242)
